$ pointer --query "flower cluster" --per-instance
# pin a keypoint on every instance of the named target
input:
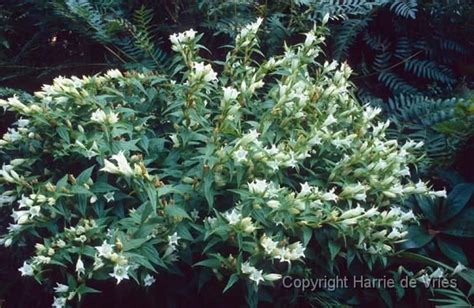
(289, 168)
(178, 41)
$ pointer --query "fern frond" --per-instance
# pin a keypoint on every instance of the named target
(346, 33)
(416, 118)
(395, 83)
(429, 69)
(405, 8)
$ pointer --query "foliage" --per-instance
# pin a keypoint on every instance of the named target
(443, 124)
(442, 220)
(268, 168)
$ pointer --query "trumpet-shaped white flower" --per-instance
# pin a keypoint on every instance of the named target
(178, 40)
(120, 272)
(272, 277)
(240, 156)
(122, 167)
(100, 116)
(233, 217)
(59, 302)
(268, 244)
(26, 269)
(202, 72)
(274, 204)
(305, 189)
(61, 288)
(258, 186)
(246, 268)
(149, 280)
(230, 94)
(115, 73)
(439, 193)
(80, 269)
(256, 276)
(173, 239)
(459, 268)
(105, 250)
(352, 212)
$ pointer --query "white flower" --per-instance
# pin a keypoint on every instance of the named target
(202, 72)
(122, 167)
(272, 277)
(395, 234)
(149, 280)
(459, 268)
(99, 116)
(21, 123)
(233, 217)
(352, 212)
(330, 195)
(408, 216)
(230, 93)
(173, 239)
(438, 273)
(268, 244)
(305, 189)
(258, 186)
(177, 40)
(256, 276)
(61, 288)
(20, 217)
(120, 272)
(296, 251)
(105, 250)
(80, 270)
(194, 214)
(6, 200)
(240, 155)
(273, 150)
(425, 279)
(59, 302)
(420, 187)
(115, 73)
(61, 243)
(34, 211)
(109, 196)
(26, 269)
(246, 268)
(310, 38)
(329, 120)
(439, 193)
(250, 137)
(274, 204)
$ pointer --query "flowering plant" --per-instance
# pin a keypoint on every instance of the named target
(262, 169)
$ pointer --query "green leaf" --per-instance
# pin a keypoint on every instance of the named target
(456, 201)
(84, 176)
(428, 207)
(208, 191)
(102, 187)
(176, 211)
(133, 244)
(63, 133)
(232, 280)
(333, 249)
(452, 251)
(211, 263)
(417, 237)
(307, 234)
(462, 225)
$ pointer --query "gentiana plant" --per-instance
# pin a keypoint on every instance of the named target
(248, 169)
